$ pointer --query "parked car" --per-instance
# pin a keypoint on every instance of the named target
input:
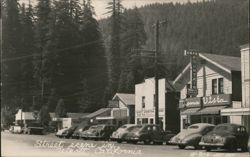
(120, 133)
(60, 132)
(146, 133)
(226, 136)
(79, 130)
(98, 132)
(16, 129)
(68, 133)
(192, 135)
(11, 129)
(33, 128)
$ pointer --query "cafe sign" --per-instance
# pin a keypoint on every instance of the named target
(216, 100)
(193, 102)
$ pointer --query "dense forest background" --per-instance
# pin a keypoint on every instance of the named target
(57, 57)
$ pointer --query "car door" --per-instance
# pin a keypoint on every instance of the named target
(157, 133)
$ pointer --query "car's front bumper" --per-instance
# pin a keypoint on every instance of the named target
(212, 144)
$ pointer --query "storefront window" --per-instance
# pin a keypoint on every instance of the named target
(224, 119)
(221, 86)
(151, 121)
(214, 86)
(144, 120)
(217, 120)
(138, 121)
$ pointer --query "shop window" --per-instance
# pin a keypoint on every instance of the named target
(151, 121)
(210, 120)
(221, 86)
(145, 121)
(224, 119)
(143, 101)
(138, 121)
(214, 86)
(217, 120)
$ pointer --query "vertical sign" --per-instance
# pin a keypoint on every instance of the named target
(194, 61)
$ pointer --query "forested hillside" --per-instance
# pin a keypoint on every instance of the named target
(56, 57)
(216, 26)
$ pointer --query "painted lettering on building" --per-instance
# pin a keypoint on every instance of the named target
(222, 99)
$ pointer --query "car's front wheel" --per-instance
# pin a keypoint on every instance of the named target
(232, 147)
(181, 146)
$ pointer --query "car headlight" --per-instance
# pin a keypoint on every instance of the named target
(220, 139)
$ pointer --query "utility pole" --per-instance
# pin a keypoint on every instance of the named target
(156, 97)
(156, 62)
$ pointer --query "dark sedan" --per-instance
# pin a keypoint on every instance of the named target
(226, 136)
(146, 133)
(79, 130)
(98, 132)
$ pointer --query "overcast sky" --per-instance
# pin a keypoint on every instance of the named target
(100, 5)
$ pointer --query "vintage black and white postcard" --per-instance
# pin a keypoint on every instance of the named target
(125, 78)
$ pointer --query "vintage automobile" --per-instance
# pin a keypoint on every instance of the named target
(98, 132)
(146, 133)
(15, 129)
(226, 136)
(120, 133)
(68, 132)
(33, 128)
(192, 135)
(79, 130)
(65, 132)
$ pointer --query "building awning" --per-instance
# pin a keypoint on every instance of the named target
(235, 111)
(190, 111)
(211, 110)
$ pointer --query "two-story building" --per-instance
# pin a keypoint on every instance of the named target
(168, 104)
(240, 113)
(218, 87)
(120, 110)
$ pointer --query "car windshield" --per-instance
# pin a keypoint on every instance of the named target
(223, 128)
(135, 128)
(97, 127)
(193, 127)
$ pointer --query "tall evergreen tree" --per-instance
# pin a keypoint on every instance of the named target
(95, 72)
(27, 49)
(114, 67)
(11, 72)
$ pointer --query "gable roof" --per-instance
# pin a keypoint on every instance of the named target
(227, 63)
(126, 98)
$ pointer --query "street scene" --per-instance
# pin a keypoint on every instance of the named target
(102, 78)
(48, 145)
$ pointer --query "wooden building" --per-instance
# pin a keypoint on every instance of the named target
(218, 81)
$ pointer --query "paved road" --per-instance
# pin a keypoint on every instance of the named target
(15, 145)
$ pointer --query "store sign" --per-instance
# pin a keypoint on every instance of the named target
(194, 63)
(149, 113)
(113, 104)
(215, 100)
(193, 102)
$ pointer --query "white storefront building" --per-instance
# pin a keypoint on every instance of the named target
(240, 112)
